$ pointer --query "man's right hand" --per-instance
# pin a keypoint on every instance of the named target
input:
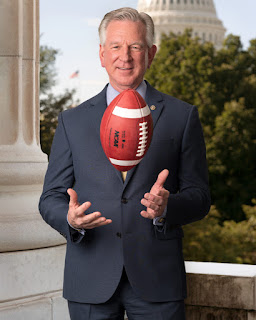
(77, 217)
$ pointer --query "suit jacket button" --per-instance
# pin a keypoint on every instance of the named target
(119, 235)
(124, 200)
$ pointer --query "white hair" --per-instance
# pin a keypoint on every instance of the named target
(131, 15)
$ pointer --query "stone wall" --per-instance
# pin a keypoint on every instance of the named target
(31, 285)
(220, 291)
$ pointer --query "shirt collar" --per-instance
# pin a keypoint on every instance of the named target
(112, 93)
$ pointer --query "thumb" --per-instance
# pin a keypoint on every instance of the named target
(162, 178)
(73, 197)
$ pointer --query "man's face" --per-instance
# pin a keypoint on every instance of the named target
(125, 54)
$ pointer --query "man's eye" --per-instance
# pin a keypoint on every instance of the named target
(136, 48)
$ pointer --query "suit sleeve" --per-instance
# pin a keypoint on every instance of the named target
(192, 202)
(54, 201)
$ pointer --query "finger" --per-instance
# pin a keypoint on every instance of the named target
(146, 214)
(160, 193)
(162, 178)
(98, 223)
(150, 205)
(80, 220)
(157, 199)
(79, 211)
(91, 217)
(164, 194)
(73, 197)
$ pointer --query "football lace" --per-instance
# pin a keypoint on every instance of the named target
(142, 139)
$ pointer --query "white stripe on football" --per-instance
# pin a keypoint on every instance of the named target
(131, 113)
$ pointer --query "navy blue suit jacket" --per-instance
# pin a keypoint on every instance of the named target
(153, 260)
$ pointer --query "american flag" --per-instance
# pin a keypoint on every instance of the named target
(74, 74)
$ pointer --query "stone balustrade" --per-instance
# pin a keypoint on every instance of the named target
(32, 288)
(220, 291)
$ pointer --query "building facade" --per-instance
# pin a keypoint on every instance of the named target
(177, 15)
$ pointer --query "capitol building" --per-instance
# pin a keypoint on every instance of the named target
(177, 15)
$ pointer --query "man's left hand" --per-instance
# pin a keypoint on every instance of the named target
(156, 200)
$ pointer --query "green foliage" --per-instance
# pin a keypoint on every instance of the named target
(50, 104)
(47, 68)
(50, 108)
(223, 85)
(232, 242)
(232, 158)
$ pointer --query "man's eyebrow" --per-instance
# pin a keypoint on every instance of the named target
(137, 43)
(114, 42)
(132, 44)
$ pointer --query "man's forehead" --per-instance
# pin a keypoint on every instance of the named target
(118, 28)
(119, 25)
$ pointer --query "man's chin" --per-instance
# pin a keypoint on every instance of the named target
(122, 87)
(127, 84)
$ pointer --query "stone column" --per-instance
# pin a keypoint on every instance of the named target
(23, 233)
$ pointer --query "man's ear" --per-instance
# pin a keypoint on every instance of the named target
(101, 53)
(151, 54)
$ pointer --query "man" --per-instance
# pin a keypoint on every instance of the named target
(124, 235)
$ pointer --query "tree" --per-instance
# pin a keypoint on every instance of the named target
(50, 104)
(232, 242)
(183, 68)
(232, 159)
(223, 85)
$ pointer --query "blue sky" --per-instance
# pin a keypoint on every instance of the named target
(71, 27)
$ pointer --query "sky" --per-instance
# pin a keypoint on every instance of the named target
(72, 28)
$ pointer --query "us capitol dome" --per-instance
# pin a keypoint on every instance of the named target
(177, 15)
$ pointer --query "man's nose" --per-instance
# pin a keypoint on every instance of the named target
(125, 54)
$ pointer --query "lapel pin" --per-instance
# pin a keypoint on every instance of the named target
(153, 107)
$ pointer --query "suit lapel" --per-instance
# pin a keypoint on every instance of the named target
(154, 100)
(99, 103)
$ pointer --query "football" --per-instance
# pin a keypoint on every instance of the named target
(126, 130)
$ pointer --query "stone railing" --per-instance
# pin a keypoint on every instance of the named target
(216, 291)
(220, 291)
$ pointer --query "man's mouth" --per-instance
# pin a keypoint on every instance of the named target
(125, 68)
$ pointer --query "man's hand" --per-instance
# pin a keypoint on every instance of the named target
(156, 200)
(78, 219)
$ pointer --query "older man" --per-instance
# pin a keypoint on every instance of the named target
(124, 234)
